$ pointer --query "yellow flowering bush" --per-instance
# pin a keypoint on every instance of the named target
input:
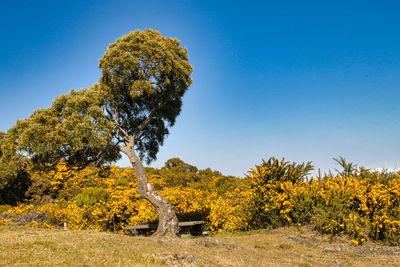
(107, 199)
(363, 205)
(228, 213)
(274, 190)
(3, 222)
(21, 209)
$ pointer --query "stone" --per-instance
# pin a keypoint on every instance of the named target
(212, 242)
(302, 240)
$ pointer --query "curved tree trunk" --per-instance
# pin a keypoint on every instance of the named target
(167, 220)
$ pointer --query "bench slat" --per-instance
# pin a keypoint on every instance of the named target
(190, 223)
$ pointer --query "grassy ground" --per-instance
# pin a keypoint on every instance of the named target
(22, 246)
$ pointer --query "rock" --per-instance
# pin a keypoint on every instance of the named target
(28, 233)
(289, 255)
(285, 246)
(178, 259)
(209, 241)
(374, 249)
(191, 259)
(333, 249)
(212, 242)
(302, 240)
(24, 219)
(6, 216)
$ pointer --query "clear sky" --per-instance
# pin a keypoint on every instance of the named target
(304, 80)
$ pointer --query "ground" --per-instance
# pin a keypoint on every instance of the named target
(292, 246)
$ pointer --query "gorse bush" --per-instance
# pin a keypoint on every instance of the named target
(365, 205)
(271, 182)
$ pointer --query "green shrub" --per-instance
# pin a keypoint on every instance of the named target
(4, 208)
(122, 182)
(91, 196)
(331, 211)
(303, 209)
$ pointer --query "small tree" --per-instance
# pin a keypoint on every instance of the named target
(139, 96)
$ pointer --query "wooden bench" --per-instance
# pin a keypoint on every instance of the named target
(193, 228)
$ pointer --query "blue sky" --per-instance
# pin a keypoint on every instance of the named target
(304, 80)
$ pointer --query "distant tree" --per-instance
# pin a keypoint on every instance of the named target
(178, 163)
(139, 96)
(14, 179)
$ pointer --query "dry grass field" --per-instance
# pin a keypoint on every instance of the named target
(22, 246)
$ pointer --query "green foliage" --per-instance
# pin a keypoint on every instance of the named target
(13, 188)
(383, 176)
(349, 168)
(41, 189)
(303, 208)
(91, 196)
(144, 77)
(14, 179)
(122, 182)
(275, 170)
(178, 163)
(4, 208)
(224, 184)
(209, 172)
(73, 129)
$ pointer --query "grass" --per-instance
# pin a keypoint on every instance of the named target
(22, 246)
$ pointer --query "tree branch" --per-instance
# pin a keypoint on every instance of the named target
(124, 135)
(124, 149)
(145, 122)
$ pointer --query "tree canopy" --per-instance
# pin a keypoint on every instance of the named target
(144, 76)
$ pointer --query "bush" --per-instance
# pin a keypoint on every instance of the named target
(363, 205)
(91, 197)
(4, 208)
(270, 184)
(122, 182)
(13, 187)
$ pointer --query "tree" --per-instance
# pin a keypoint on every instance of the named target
(14, 179)
(178, 163)
(139, 96)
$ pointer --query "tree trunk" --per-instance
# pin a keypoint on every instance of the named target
(167, 220)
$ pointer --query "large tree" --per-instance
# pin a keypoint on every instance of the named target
(138, 97)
